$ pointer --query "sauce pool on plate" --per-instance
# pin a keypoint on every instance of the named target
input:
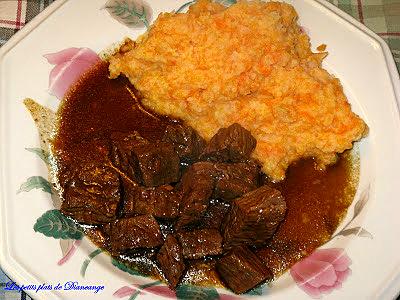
(317, 200)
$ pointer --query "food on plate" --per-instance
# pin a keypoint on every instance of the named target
(130, 186)
(251, 64)
(137, 232)
(254, 217)
(200, 243)
(186, 210)
(208, 157)
(171, 260)
(242, 270)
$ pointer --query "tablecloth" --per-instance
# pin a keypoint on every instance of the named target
(381, 16)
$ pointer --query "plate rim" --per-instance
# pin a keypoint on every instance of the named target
(13, 271)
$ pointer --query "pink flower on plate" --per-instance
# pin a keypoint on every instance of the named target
(162, 291)
(229, 297)
(322, 272)
(124, 291)
(70, 252)
(69, 65)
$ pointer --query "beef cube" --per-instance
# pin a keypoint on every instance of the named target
(198, 172)
(234, 144)
(196, 186)
(136, 232)
(200, 243)
(156, 164)
(223, 180)
(161, 202)
(171, 261)
(214, 215)
(188, 144)
(254, 217)
(136, 200)
(92, 194)
(235, 179)
(199, 169)
(121, 151)
(196, 192)
(242, 270)
(167, 202)
(231, 180)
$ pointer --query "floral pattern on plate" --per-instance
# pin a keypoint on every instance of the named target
(322, 272)
(131, 13)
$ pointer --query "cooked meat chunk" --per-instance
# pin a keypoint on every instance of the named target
(92, 194)
(235, 179)
(242, 270)
(157, 164)
(121, 151)
(161, 201)
(214, 215)
(196, 192)
(233, 143)
(231, 180)
(202, 180)
(198, 169)
(254, 217)
(171, 261)
(167, 202)
(136, 232)
(136, 200)
(200, 243)
(196, 188)
(187, 142)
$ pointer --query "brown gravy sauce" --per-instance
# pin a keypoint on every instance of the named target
(316, 200)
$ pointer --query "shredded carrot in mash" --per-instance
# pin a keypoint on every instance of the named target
(249, 63)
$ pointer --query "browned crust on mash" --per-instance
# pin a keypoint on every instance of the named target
(250, 64)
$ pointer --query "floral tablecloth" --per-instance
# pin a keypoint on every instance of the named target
(381, 16)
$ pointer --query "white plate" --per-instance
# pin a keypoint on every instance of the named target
(357, 56)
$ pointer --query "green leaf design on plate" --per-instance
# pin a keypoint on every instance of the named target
(257, 291)
(183, 6)
(361, 203)
(358, 231)
(41, 153)
(35, 182)
(88, 260)
(226, 2)
(54, 224)
(125, 268)
(191, 292)
(131, 13)
(140, 288)
(358, 207)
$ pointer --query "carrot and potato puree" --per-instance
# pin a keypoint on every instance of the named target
(250, 63)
